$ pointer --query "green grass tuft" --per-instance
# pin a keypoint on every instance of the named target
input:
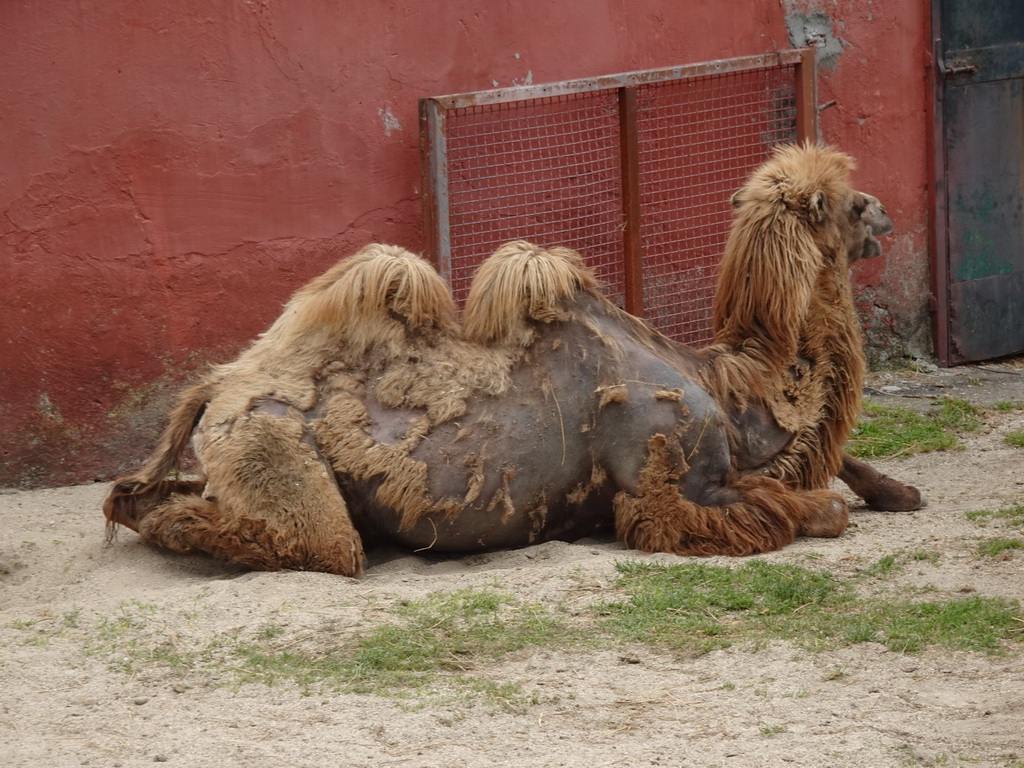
(886, 432)
(1015, 438)
(886, 566)
(700, 608)
(999, 548)
(1011, 515)
(434, 642)
(447, 631)
(972, 623)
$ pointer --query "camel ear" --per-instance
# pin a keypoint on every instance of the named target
(736, 201)
(817, 207)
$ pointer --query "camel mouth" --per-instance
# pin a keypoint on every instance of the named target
(875, 221)
(872, 248)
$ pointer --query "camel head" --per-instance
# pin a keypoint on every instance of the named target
(796, 219)
(868, 219)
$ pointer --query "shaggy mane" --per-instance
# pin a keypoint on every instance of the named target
(772, 260)
(518, 283)
(786, 331)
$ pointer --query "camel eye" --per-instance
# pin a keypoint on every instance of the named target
(817, 206)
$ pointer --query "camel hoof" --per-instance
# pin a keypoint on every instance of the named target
(896, 497)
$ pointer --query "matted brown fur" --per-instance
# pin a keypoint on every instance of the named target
(766, 516)
(367, 412)
(374, 306)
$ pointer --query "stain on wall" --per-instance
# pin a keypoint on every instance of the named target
(171, 171)
(817, 29)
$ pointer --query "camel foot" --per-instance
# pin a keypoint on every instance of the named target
(130, 501)
(892, 496)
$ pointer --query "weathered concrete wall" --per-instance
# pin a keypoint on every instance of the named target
(172, 169)
(873, 58)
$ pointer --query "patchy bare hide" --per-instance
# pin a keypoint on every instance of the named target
(367, 412)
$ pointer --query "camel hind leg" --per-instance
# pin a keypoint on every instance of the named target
(132, 498)
(756, 513)
(271, 501)
(189, 524)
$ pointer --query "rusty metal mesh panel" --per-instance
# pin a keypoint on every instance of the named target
(554, 169)
(544, 170)
(698, 140)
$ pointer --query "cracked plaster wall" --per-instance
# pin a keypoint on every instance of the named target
(873, 75)
(173, 170)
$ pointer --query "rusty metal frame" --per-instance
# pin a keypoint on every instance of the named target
(937, 230)
(434, 185)
(434, 151)
(939, 224)
(807, 95)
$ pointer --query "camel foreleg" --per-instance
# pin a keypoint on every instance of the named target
(879, 491)
(750, 515)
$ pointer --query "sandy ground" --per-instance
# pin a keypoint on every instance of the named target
(71, 608)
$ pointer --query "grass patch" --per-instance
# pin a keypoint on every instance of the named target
(887, 565)
(999, 548)
(1011, 515)
(1015, 438)
(700, 608)
(1005, 406)
(443, 650)
(890, 565)
(130, 642)
(697, 608)
(973, 623)
(430, 647)
(434, 644)
(452, 631)
(886, 432)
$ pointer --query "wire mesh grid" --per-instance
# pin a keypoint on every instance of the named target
(544, 170)
(698, 140)
(551, 170)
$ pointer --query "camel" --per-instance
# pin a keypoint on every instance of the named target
(368, 413)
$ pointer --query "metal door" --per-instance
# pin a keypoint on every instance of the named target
(979, 178)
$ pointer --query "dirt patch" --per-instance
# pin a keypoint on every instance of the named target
(75, 693)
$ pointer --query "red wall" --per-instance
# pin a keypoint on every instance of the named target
(172, 170)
